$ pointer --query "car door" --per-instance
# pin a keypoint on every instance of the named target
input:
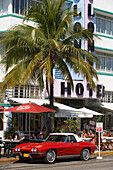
(63, 147)
(73, 146)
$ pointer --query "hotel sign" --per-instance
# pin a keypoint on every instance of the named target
(81, 89)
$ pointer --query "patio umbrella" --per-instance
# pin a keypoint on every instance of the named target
(1, 108)
(29, 108)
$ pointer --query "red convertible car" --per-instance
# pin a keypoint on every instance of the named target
(56, 146)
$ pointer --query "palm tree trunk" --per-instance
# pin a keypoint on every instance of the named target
(51, 102)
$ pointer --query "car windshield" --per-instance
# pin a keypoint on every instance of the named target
(57, 138)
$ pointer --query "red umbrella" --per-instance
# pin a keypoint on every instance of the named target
(29, 108)
(1, 108)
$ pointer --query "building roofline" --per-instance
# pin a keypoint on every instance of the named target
(102, 11)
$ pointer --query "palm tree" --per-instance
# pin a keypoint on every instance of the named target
(33, 51)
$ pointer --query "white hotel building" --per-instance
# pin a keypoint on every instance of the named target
(10, 15)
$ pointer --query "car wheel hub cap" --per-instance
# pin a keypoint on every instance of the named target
(85, 154)
(50, 156)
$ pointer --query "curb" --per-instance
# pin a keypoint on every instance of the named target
(8, 159)
(103, 153)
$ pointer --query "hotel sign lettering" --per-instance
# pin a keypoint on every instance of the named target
(81, 89)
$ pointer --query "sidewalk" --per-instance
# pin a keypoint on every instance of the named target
(5, 159)
(108, 152)
(13, 159)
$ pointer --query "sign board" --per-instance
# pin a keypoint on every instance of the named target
(99, 127)
(81, 89)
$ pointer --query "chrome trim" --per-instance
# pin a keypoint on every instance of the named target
(29, 153)
(36, 153)
(67, 156)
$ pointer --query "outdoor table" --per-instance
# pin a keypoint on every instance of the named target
(9, 145)
(107, 138)
(86, 139)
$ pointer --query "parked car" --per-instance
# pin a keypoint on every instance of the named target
(56, 146)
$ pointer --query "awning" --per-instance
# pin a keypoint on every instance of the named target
(69, 115)
(89, 111)
(5, 105)
(107, 106)
(81, 113)
(64, 110)
(1, 108)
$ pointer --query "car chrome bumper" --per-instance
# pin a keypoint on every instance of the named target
(31, 154)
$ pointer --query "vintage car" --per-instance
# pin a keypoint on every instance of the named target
(56, 146)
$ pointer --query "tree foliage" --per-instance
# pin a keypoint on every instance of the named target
(11, 130)
(73, 124)
(33, 51)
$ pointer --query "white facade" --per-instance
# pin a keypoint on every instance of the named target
(104, 46)
(104, 5)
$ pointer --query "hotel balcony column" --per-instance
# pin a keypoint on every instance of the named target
(10, 7)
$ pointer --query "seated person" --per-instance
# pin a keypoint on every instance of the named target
(109, 135)
(84, 134)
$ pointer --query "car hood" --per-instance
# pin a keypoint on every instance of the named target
(36, 145)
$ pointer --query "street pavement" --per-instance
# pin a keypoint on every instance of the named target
(70, 164)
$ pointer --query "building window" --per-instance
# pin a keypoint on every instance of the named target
(105, 62)
(20, 5)
(25, 92)
(77, 43)
(3, 7)
(104, 24)
(108, 98)
(91, 27)
(77, 27)
(58, 74)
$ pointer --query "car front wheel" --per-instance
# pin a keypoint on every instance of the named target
(85, 154)
(50, 156)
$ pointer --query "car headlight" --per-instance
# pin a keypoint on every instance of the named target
(35, 149)
(32, 149)
(18, 149)
(15, 149)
